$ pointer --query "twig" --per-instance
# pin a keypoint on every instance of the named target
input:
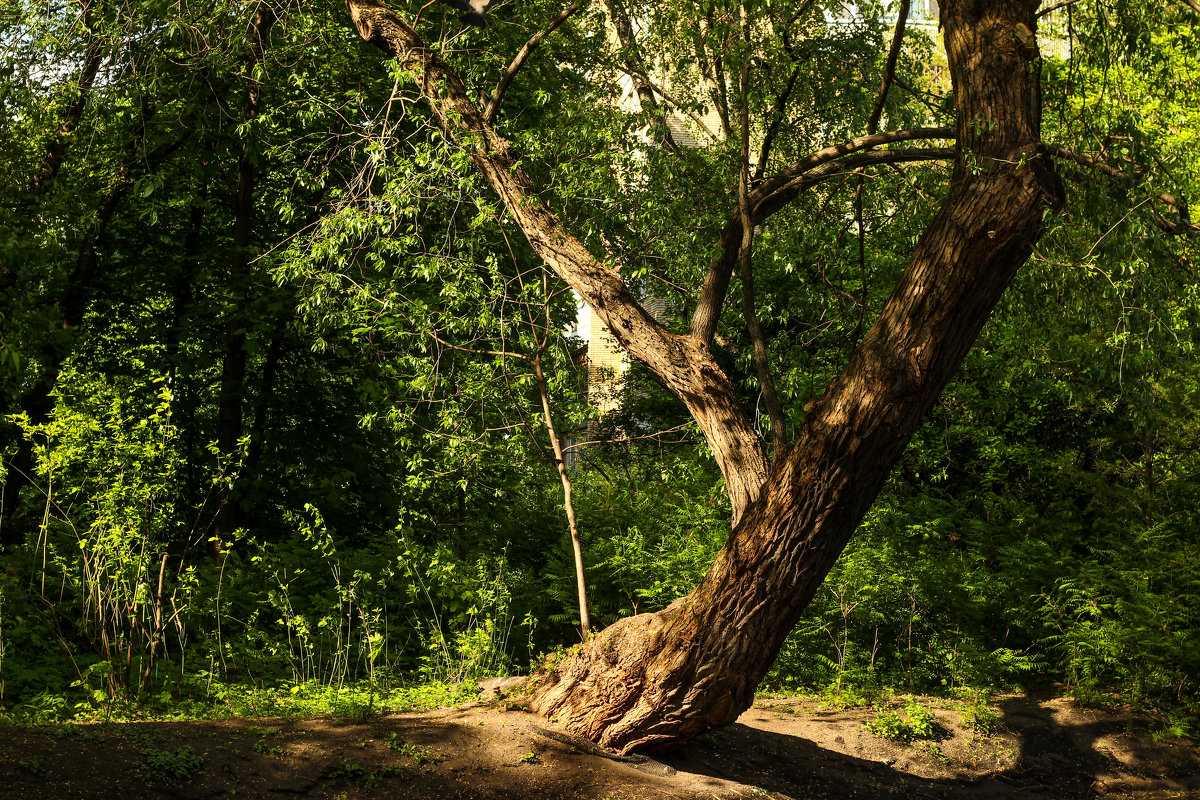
(1057, 6)
(472, 351)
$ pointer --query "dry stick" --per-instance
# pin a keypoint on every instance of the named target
(564, 478)
(157, 635)
(762, 363)
(493, 105)
(556, 454)
(560, 463)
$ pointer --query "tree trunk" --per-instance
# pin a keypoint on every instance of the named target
(230, 411)
(657, 680)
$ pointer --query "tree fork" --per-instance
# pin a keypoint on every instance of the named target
(656, 680)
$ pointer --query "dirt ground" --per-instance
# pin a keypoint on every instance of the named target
(781, 748)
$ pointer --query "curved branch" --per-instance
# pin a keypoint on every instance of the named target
(781, 189)
(489, 113)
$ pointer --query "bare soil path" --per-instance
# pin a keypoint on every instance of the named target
(782, 748)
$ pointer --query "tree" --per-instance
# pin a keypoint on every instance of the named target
(656, 680)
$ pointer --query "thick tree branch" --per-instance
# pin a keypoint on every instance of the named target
(521, 57)
(683, 363)
(781, 189)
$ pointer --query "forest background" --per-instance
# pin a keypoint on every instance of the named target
(271, 428)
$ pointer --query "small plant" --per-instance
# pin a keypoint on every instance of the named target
(936, 751)
(166, 766)
(420, 755)
(267, 749)
(916, 722)
(981, 718)
(254, 730)
(530, 758)
(31, 766)
(1177, 726)
(350, 770)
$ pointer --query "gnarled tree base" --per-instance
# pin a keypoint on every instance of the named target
(646, 683)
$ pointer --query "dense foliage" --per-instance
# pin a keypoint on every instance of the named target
(268, 417)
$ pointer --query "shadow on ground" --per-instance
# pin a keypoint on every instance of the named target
(788, 748)
(1043, 749)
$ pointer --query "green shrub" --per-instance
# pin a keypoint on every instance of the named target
(912, 723)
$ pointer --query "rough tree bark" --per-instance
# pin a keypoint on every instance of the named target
(657, 680)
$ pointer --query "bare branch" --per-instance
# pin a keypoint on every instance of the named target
(772, 131)
(475, 352)
(1063, 4)
(493, 106)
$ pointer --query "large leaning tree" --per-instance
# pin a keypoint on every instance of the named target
(655, 680)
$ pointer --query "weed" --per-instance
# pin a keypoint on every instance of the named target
(936, 751)
(254, 730)
(420, 755)
(981, 718)
(917, 722)
(32, 766)
(69, 731)
(530, 758)
(349, 770)
(166, 766)
(262, 746)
